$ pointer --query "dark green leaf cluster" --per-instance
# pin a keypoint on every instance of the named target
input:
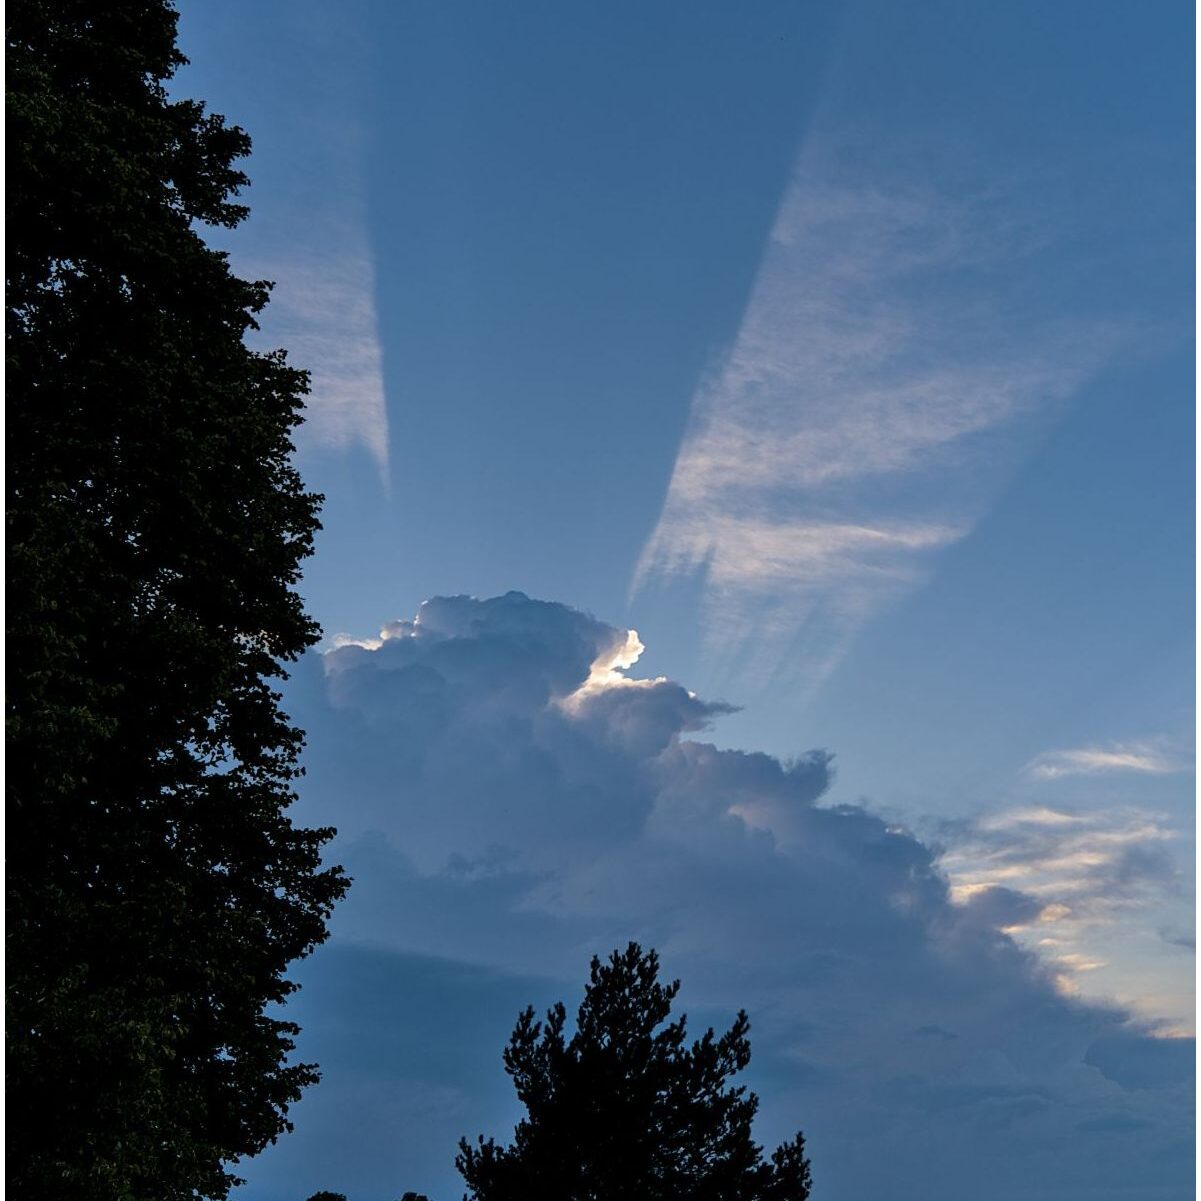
(628, 1107)
(156, 888)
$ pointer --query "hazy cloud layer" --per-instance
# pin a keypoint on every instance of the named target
(509, 796)
(891, 351)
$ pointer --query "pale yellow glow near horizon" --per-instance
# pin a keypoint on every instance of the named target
(1099, 942)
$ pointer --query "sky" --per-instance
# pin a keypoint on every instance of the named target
(757, 448)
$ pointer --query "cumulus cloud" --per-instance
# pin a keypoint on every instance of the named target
(890, 354)
(510, 795)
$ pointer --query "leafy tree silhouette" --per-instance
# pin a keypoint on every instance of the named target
(326, 1195)
(627, 1108)
(156, 888)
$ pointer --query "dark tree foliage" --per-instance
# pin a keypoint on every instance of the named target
(326, 1195)
(156, 889)
(627, 1107)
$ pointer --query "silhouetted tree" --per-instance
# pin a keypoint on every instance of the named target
(156, 889)
(627, 1108)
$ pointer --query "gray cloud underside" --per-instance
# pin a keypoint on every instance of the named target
(507, 796)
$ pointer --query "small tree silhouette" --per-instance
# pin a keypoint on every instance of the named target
(627, 1108)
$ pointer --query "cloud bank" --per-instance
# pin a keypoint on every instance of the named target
(510, 797)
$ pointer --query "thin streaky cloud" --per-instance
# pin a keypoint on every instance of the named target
(860, 421)
(323, 309)
(309, 234)
(1095, 760)
(1033, 816)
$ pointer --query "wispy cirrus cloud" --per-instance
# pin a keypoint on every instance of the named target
(888, 359)
(308, 231)
(323, 310)
(1147, 757)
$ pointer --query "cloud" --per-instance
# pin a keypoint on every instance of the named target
(1127, 1062)
(308, 225)
(890, 358)
(1089, 863)
(510, 795)
(323, 310)
(1143, 757)
(1174, 938)
(1066, 884)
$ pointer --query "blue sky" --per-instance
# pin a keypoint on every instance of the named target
(844, 352)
